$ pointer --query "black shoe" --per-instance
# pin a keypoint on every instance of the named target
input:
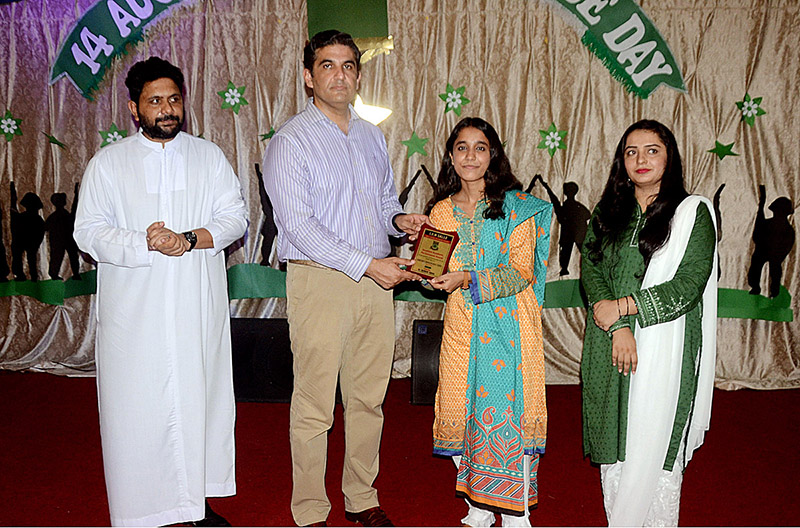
(371, 517)
(212, 518)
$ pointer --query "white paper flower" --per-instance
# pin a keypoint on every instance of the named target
(749, 108)
(114, 136)
(232, 96)
(552, 140)
(453, 100)
(8, 125)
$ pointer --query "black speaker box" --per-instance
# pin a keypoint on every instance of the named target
(425, 360)
(262, 360)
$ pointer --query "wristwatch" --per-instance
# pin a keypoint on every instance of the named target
(191, 237)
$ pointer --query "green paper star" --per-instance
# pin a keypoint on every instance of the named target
(9, 126)
(552, 139)
(53, 140)
(454, 99)
(415, 144)
(112, 135)
(750, 108)
(722, 150)
(233, 97)
(268, 135)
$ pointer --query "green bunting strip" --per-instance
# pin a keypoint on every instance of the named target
(254, 281)
(52, 291)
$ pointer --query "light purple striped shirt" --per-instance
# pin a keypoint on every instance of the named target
(332, 194)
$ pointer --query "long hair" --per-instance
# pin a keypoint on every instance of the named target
(498, 178)
(618, 202)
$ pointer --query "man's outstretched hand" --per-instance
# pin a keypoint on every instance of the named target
(410, 224)
(387, 272)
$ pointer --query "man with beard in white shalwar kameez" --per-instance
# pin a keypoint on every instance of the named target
(155, 211)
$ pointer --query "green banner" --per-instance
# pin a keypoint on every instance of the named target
(625, 39)
(52, 291)
(359, 18)
(254, 281)
(101, 34)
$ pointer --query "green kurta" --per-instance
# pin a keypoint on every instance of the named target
(620, 273)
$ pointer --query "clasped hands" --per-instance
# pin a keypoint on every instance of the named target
(166, 241)
(623, 344)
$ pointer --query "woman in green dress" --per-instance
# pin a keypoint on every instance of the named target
(649, 269)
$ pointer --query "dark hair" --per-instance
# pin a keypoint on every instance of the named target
(618, 202)
(327, 38)
(150, 70)
(498, 178)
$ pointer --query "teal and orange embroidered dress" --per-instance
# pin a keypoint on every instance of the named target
(490, 404)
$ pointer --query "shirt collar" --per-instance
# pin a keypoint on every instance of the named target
(317, 115)
(155, 145)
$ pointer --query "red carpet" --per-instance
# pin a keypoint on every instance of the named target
(746, 474)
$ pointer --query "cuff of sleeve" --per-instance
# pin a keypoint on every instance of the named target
(646, 305)
(143, 255)
(392, 227)
(356, 265)
(622, 322)
(474, 288)
(215, 232)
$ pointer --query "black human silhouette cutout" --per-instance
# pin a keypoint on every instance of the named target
(573, 217)
(27, 233)
(403, 198)
(59, 226)
(396, 242)
(773, 238)
(718, 215)
(4, 269)
(268, 229)
(429, 178)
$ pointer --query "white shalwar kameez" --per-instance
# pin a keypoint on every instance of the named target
(163, 350)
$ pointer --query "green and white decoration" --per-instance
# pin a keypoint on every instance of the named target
(112, 135)
(268, 135)
(415, 145)
(233, 97)
(454, 99)
(552, 139)
(621, 35)
(102, 33)
(10, 126)
(750, 108)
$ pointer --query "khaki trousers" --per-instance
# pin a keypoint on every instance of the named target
(339, 329)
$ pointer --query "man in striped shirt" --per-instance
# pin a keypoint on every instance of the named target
(328, 176)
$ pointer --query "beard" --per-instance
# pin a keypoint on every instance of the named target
(154, 130)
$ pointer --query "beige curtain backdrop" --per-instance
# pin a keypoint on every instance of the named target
(523, 67)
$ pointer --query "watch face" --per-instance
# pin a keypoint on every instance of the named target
(191, 237)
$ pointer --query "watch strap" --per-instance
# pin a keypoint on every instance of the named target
(191, 237)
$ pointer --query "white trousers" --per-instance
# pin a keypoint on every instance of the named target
(480, 518)
(664, 503)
